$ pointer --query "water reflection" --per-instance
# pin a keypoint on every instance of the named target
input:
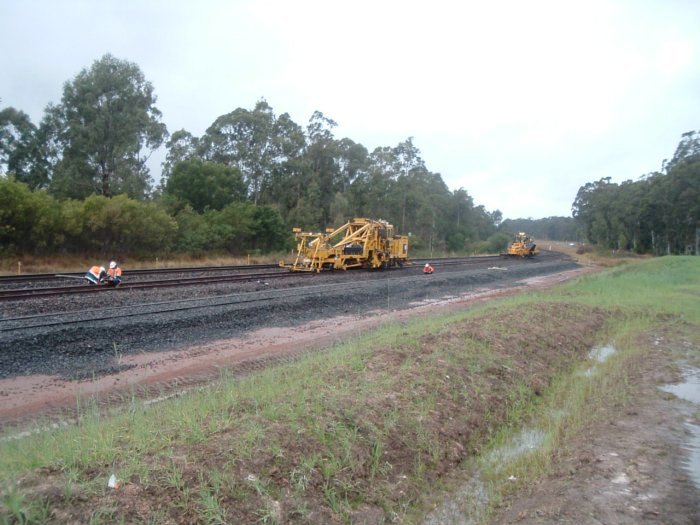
(689, 390)
(601, 353)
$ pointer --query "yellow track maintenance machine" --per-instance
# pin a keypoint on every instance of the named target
(522, 246)
(359, 243)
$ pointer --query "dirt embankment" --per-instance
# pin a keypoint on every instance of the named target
(469, 394)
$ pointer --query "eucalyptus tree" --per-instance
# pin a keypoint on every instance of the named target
(372, 190)
(205, 185)
(460, 230)
(289, 178)
(19, 147)
(321, 158)
(352, 161)
(688, 149)
(424, 205)
(244, 139)
(106, 127)
(593, 208)
(181, 145)
(407, 165)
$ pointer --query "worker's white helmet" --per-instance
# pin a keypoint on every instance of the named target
(102, 268)
(426, 265)
(112, 265)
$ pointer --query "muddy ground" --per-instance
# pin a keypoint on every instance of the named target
(635, 467)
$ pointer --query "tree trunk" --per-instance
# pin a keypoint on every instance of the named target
(105, 180)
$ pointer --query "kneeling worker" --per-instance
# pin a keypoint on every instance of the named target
(428, 269)
(96, 275)
(114, 274)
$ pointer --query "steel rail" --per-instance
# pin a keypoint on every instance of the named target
(145, 271)
(192, 269)
(27, 293)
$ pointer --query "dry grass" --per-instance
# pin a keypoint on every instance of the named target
(592, 256)
(77, 263)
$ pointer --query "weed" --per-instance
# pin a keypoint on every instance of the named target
(269, 514)
(117, 353)
(210, 509)
(173, 477)
(16, 509)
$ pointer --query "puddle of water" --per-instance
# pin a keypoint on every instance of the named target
(689, 388)
(692, 463)
(526, 441)
(464, 507)
(468, 504)
(588, 372)
(601, 353)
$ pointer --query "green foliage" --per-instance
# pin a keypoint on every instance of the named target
(30, 222)
(496, 243)
(252, 141)
(237, 229)
(118, 226)
(205, 185)
(192, 232)
(19, 148)
(181, 146)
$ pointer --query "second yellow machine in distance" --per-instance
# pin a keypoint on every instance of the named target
(359, 243)
(522, 246)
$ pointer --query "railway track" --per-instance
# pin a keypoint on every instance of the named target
(308, 287)
(224, 274)
(28, 293)
(41, 277)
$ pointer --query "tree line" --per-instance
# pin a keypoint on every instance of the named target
(659, 213)
(548, 228)
(79, 181)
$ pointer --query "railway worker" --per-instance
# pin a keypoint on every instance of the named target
(427, 269)
(114, 274)
(96, 274)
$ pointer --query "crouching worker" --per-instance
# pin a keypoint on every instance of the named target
(96, 275)
(114, 274)
(428, 269)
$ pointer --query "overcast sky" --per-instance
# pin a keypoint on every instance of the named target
(518, 102)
